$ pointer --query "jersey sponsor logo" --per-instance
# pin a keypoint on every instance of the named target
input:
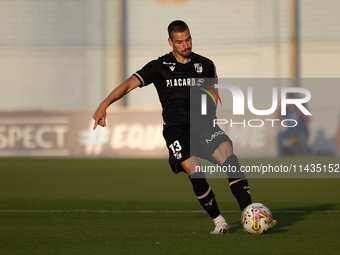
(214, 135)
(181, 82)
(198, 67)
(169, 63)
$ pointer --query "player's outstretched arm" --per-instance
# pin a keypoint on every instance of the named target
(100, 114)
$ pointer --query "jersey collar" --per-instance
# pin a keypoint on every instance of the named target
(174, 58)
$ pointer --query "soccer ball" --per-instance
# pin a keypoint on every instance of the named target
(256, 218)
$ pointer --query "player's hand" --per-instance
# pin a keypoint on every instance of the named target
(99, 117)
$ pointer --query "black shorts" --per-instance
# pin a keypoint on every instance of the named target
(184, 142)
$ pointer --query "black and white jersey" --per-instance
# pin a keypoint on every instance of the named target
(173, 81)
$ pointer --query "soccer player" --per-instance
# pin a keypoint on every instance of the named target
(173, 75)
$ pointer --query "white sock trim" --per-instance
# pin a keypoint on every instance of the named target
(219, 218)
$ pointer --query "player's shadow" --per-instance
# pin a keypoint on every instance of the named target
(287, 217)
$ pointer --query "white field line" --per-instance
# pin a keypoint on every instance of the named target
(118, 211)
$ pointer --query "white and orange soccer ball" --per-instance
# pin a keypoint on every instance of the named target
(256, 218)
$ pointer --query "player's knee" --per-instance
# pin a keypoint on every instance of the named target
(223, 152)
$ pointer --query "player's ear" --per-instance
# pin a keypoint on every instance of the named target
(170, 42)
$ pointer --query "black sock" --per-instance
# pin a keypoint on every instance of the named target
(204, 194)
(238, 182)
(240, 190)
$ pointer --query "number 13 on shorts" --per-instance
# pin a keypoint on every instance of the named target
(176, 148)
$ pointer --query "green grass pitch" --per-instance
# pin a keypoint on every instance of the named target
(106, 206)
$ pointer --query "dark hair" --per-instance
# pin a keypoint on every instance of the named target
(177, 26)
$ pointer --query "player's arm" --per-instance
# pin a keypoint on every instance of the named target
(100, 114)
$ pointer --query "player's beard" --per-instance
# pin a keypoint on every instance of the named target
(186, 53)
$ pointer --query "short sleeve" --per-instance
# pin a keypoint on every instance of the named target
(147, 74)
(212, 75)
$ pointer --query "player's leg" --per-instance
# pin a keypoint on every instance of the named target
(204, 194)
(237, 181)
